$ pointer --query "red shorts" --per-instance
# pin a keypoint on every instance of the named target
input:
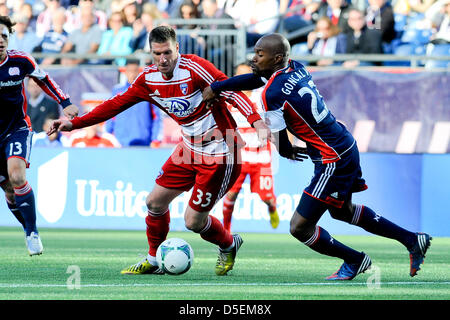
(210, 177)
(261, 179)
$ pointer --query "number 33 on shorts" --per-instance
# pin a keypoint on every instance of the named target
(202, 199)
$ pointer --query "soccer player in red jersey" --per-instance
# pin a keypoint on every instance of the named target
(206, 161)
(16, 131)
(256, 162)
(292, 102)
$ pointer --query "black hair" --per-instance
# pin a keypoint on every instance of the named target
(5, 20)
(162, 34)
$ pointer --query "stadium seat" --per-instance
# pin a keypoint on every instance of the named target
(400, 22)
(406, 49)
(439, 50)
(416, 36)
(300, 49)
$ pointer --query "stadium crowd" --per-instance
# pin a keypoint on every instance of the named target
(323, 27)
(318, 27)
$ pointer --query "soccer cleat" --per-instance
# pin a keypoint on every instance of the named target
(225, 261)
(350, 270)
(34, 244)
(417, 252)
(274, 219)
(142, 267)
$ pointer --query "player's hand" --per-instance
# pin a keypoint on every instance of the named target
(263, 131)
(299, 153)
(71, 111)
(59, 125)
(209, 96)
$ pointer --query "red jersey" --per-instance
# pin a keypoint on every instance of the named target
(204, 130)
(253, 152)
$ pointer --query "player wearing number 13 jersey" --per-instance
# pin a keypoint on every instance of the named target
(293, 103)
(206, 161)
(16, 133)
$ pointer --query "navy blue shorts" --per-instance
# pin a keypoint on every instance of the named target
(332, 184)
(18, 145)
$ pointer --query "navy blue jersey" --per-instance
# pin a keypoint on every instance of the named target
(13, 103)
(292, 101)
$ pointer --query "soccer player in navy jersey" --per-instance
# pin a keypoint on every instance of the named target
(16, 131)
(206, 161)
(293, 103)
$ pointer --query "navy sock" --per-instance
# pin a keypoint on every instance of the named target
(322, 242)
(25, 203)
(367, 219)
(16, 213)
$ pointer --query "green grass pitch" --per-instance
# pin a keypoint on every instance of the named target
(268, 267)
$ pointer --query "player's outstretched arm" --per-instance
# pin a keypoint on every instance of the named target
(71, 111)
(59, 125)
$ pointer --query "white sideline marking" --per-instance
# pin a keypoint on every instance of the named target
(215, 284)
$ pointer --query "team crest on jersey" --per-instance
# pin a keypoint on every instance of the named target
(14, 71)
(179, 107)
(184, 88)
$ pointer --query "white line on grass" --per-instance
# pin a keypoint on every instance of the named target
(215, 284)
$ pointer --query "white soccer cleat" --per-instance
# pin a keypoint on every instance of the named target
(34, 244)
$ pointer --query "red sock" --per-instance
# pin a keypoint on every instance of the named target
(215, 233)
(228, 207)
(157, 229)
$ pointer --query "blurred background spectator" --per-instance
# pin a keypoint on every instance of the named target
(298, 14)
(439, 16)
(85, 40)
(56, 139)
(24, 38)
(93, 136)
(380, 16)
(337, 11)
(40, 106)
(101, 18)
(323, 41)
(142, 27)
(140, 124)
(116, 40)
(54, 40)
(360, 39)
(44, 19)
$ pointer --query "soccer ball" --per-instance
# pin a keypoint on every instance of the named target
(175, 256)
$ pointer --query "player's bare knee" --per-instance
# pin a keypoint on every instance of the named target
(17, 178)
(194, 225)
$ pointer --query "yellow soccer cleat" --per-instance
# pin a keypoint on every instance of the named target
(225, 261)
(142, 267)
(274, 219)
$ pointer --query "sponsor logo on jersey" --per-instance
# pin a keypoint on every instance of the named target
(179, 107)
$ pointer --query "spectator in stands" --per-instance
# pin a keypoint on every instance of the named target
(192, 42)
(101, 18)
(131, 13)
(337, 11)
(439, 16)
(142, 26)
(323, 41)
(299, 14)
(54, 40)
(4, 10)
(116, 40)
(258, 16)
(56, 139)
(380, 16)
(40, 106)
(85, 40)
(44, 19)
(23, 39)
(188, 10)
(93, 136)
(210, 10)
(361, 40)
(27, 10)
(138, 125)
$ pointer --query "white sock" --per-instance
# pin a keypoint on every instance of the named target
(230, 247)
(151, 260)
